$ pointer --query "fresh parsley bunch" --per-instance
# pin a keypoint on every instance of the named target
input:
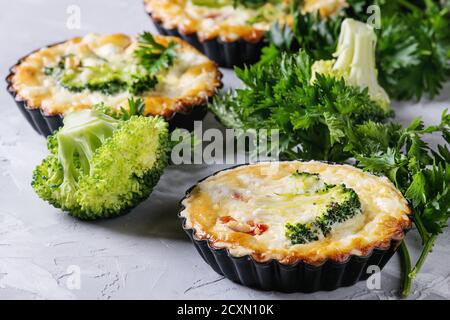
(421, 173)
(311, 116)
(413, 51)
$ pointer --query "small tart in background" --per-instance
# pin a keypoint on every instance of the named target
(227, 22)
(85, 71)
(228, 34)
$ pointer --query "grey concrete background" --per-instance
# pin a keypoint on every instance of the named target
(145, 254)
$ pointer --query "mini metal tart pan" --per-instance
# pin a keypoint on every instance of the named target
(225, 54)
(298, 277)
(46, 124)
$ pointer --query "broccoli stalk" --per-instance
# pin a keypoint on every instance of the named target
(101, 166)
(339, 204)
(82, 134)
(355, 60)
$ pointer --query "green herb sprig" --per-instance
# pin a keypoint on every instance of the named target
(413, 51)
(136, 107)
(420, 172)
(154, 56)
(311, 117)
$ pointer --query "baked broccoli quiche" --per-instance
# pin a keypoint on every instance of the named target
(297, 214)
(167, 73)
(228, 31)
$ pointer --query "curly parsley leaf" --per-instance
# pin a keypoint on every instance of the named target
(154, 56)
(413, 57)
(136, 107)
(312, 118)
(421, 173)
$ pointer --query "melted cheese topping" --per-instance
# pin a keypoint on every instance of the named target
(188, 82)
(227, 22)
(252, 193)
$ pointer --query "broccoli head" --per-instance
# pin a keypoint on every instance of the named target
(223, 3)
(100, 166)
(355, 61)
(337, 204)
(308, 181)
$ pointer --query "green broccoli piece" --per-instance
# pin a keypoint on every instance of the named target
(101, 79)
(339, 204)
(355, 61)
(141, 83)
(300, 233)
(309, 181)
(344, 206)
(212, 3)
(110, 87)
(107, 80)
(101, 167)
(253, 4)
(306, 175)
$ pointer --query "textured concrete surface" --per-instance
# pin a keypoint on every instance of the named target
(145, 254)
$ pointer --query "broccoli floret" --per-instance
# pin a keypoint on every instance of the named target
(142, 83)
(306, 175)
(110, 87)
(235, 3)
(108, 80)
(300, 233)
(309, 181)
(212, 3)
(355, 61)
(101, 79)
(100, 166)
(339, 204)
(344, 206)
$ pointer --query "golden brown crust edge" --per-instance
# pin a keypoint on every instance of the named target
(183, 105)
(400, 227)
(10, 83)
(397, 237)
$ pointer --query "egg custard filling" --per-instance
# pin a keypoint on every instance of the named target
(166, 72)
(231, 19)
(310, 211)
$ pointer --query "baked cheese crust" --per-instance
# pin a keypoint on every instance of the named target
(227, 22)
(245, 210)
(189, 82)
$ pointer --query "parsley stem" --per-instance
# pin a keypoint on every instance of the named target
(425, 251)
(429, 4)
(409, 5)
(407, 281)
(421, 228)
